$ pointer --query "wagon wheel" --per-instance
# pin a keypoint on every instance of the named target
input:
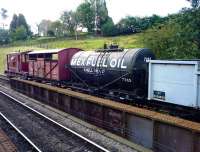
(139, 93)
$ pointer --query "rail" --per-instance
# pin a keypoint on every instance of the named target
(56, 123)
(20, 133)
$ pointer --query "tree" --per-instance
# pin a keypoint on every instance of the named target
(50, 33)
(178, 37)
(17, 27)
(43, 27)
(57, 28)
(108, 28)
(100, 10)
(70, 22)
(4, 13)
(75, 23)
(130, 24)
(14, 22)
(93, 13)
(4, 36)
(21, 21)
(86, 15)
(194, 3)
(20, 33)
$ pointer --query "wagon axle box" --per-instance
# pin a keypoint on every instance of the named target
(176, 82)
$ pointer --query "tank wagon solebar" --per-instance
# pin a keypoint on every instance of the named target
(155, 130)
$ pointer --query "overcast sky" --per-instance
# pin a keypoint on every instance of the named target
(36, 10)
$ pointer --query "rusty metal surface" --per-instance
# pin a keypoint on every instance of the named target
(5, 143)
(121, 107)
(95, 114)
(113, 120)
(140, 130)
(197, 143)
(172, 139)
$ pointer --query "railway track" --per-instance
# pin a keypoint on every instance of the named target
(44, 132)
(4, 79)
(18, 141)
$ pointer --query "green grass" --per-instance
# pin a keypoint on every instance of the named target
(90, 43)
(130, 41)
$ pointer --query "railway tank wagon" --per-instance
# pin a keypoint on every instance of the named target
(120, 73)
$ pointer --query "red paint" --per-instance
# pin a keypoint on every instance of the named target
(46, 68)
(17, 63)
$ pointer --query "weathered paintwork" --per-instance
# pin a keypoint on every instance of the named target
(43, 65)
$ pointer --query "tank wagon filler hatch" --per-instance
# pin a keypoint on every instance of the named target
(124, 71)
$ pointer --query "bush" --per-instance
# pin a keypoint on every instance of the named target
(178, 38)
(109, 29)
(19, 34)
(4, 37)
(50, 33)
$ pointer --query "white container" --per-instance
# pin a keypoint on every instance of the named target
(176, 82)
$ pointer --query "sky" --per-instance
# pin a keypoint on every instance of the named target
(36, 10)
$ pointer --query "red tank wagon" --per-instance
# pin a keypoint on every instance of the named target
(50, 64)
(17, 64)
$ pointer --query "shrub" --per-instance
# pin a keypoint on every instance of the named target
(109, 29)
(178, 38)
(4, 37)
(19, 34)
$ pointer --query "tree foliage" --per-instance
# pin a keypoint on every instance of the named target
(91, 11)
(3, 13)
(4, 36)
(44, 27)
(69, 21)
(57, 28)
(99, 9)
(13, 24)
(179, 37)
(86, 15)
(108, 28)
(19, 27)
(194, 3)
(20, 33)
(21, 21)
(130, 24)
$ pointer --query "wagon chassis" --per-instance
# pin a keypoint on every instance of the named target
(127, 98)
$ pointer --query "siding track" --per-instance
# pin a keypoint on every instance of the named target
(44, 132)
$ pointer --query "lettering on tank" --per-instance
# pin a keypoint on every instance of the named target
(93, 62)
(94, 71)
(127, 80)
